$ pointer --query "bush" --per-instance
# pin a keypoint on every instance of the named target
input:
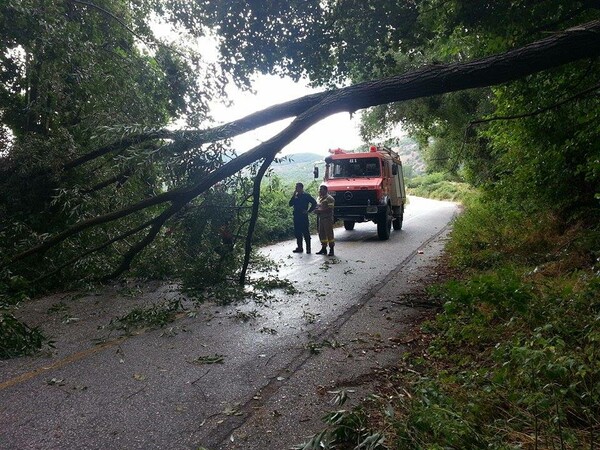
(439, 186)
(514, 363)
(490, 233)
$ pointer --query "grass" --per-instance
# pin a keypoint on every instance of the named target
(512, 362)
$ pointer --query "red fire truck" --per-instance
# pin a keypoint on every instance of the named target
(367, 186)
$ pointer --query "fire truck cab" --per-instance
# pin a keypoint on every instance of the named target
(366, 186)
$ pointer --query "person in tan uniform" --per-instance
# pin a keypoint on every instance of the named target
(324, 210)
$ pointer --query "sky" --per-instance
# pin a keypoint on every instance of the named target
(337, 131)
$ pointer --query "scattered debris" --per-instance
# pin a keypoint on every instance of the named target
(209, 359)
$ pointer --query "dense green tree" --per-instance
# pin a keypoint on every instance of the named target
(74, 75)
(91, 171)
(464, 29)
(344, 41)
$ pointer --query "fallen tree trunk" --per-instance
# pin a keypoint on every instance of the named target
(562, 48)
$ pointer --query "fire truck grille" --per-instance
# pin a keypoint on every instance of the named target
(355, 198)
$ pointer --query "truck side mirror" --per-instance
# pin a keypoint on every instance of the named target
(394, 169)
(316, 172)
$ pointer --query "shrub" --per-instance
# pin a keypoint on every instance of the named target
(490, 233)
(439, 186)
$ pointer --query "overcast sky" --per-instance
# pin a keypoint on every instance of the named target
(337, 131)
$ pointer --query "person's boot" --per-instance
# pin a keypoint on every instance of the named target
(331, 251)
(298, 246)
(308, 246)
(323, 250)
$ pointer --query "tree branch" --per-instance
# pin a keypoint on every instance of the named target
(94, 221)
(255, 207)
(196, 138)
(94, 250)
(575, 43)
(112, 16)
(120, 178)
(136, 249)
(571, 45)
(537, 111)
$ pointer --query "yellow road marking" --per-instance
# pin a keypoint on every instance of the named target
(72, 358)
(60, 363)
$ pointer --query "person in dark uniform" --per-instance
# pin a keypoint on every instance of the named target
(303, 204)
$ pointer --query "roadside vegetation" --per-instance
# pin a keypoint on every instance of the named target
(512, 360)
(439, 186)
(511, 357)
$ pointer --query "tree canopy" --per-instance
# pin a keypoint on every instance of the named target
(94, 170)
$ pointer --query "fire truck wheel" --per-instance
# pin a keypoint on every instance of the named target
(349, 224)
(384, 225)
(399, 216)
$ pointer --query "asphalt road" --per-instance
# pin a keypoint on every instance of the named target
(253, 375)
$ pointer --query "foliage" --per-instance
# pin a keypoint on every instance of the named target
(76, 77)
(439, 186)
(548, 158)
(157, 315)
(266, 284)
(275, 222)
(227, 291)
(514, 362)
(275, 219)
(493, 230)
(18, 339)
(345, 427)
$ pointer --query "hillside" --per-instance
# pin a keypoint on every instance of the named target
(297, 167)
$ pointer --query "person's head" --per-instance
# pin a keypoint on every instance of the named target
(323, 190)
(299, 188)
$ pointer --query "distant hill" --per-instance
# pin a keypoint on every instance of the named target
(408, 149)
(298, 167)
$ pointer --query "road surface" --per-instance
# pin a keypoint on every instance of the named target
(252, 375)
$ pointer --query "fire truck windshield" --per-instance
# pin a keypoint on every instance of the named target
(355, 168)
